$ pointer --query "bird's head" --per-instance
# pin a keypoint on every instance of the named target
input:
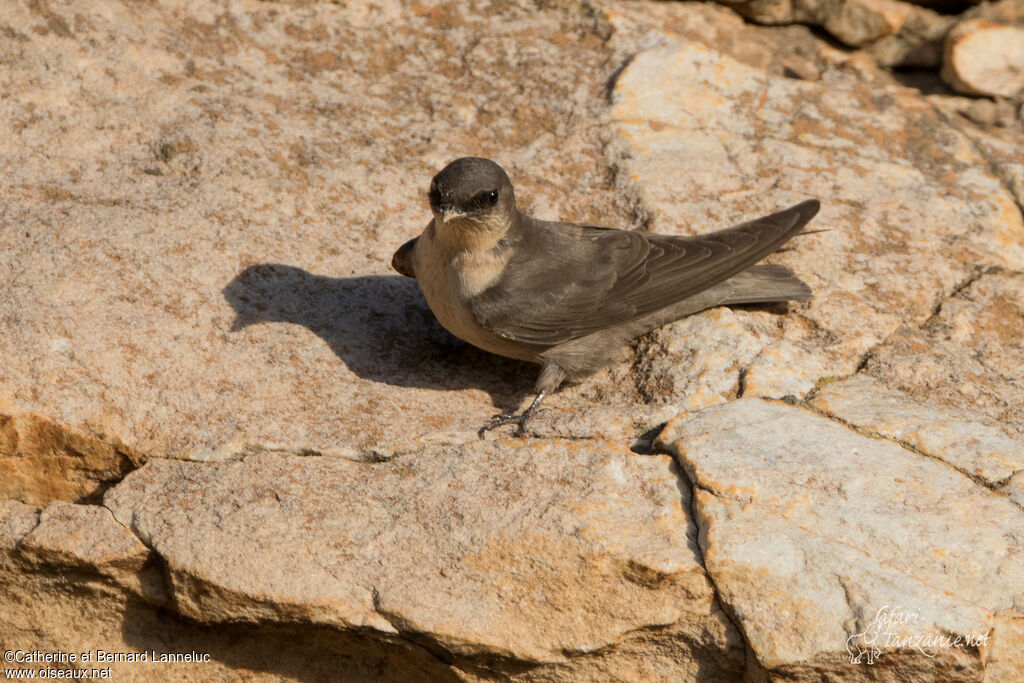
(472, 194)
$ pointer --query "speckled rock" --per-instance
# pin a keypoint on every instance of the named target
(199, 207)
(1014, 487)
(843, 556)
(203, 269)
(75, 581)
(540, 553)
(911, 210)
(775, 49)
(967, 355)
(1004, 151)
(16, 520)
(83, 536)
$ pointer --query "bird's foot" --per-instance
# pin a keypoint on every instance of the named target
(500, 419)
(518, 419)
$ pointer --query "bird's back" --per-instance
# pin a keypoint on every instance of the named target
(565, 281)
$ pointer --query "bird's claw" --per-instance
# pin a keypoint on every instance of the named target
(518, 419)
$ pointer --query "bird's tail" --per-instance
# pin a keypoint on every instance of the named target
(766, 283)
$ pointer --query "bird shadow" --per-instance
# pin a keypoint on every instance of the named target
(378, 325)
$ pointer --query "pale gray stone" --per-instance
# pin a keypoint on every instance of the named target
(977, 446)
(809, 529)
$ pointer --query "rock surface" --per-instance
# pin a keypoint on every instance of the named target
(855, 22)
(911, 220)
(529, 556)
(1005, 154)
(984, 58)
(43, 461)
(820, 541)
(894, 32)
(562, 551)
(978, 49)
(917, 44)
(986, 449)
(227, 428)
(69, 588)
(967, 354)
(204, 268)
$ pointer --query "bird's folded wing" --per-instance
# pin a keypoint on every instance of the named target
(402, 260)
(567, 281)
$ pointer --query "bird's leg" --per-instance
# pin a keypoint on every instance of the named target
(518, 419)
(551, 377)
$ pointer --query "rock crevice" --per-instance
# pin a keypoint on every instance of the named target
(204, 339)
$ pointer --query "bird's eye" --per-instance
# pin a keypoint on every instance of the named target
(484, 199)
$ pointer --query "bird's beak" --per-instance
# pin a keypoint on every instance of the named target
(450, 213)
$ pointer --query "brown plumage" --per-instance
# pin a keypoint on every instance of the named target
(570, 296)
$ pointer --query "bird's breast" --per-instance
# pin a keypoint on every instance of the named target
(449, 281)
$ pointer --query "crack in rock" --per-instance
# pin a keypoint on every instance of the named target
(874, 434)
(685, 479)
(803, 526)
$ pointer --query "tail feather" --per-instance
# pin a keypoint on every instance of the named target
(766, 283)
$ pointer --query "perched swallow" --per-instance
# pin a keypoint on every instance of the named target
(569, 297)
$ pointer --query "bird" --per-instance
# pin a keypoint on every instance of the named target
(569, 297)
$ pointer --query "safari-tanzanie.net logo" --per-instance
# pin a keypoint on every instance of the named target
(889, 631)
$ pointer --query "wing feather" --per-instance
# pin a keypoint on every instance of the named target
(565, 281)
